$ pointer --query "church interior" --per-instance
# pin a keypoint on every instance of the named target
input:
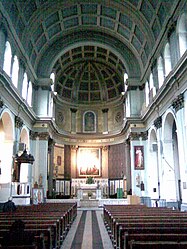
(93, 103)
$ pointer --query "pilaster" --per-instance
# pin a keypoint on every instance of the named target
(42, 90)
(105, 120)
(40, 152)
(73, 120)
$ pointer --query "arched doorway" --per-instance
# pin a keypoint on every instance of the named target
(25, 174)
(6, 150)
(170, 161)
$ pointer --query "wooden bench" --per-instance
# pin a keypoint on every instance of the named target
(133, 220)
(132, 241)
(49, 221)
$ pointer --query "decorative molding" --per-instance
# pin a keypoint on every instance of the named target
(105, 148)
(73, 110)
(46, 88)
(105, 110)
(118, 117)
(133, 88)
(158, 122)
(60, 117)
(138, 135)
(178, 102)
(74, 147)
(39, 135)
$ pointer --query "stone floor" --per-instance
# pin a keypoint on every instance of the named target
(88, 231)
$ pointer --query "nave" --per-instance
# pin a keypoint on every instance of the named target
(88, 231)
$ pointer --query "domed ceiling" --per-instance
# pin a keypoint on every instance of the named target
(89, 74)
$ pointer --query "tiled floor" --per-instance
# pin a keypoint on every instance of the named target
(86, 235)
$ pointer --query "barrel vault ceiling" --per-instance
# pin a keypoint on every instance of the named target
(88, 44)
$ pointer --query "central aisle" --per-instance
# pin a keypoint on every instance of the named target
(88, 231)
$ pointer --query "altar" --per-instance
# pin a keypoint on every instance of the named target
(88, 191)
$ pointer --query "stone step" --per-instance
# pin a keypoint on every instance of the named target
(89, 203)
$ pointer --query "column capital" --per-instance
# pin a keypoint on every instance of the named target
(18, 122)
(105, 110)
(73, 110)
(158, 122)
(39, 135)
(74, 147)
(178, 102)
(138, 135)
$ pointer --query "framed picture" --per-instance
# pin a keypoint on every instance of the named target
(37, 195)
(89, 162)
(59, 160)
(138, 157)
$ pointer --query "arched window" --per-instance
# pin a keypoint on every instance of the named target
(52, 76)
(151, 85)
(160, 71)
(89, 122)
(182, 33)
(7, 58)
(147, 93)
(27, 90)
(25, 86)
(167, 59)
(29, 94)
(15, 70)
(125, 81)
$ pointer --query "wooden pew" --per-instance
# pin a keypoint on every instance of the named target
(171, 240)
(136, 219)
(52, 221)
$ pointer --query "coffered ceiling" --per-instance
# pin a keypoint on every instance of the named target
(92, 43)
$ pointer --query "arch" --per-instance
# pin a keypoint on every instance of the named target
(24, 137)
(170, 158)
(8, 124)
(25, 171)
(167, 59)
(182, 33)
(61, 46)
(7, 58)
(6, 145)
(15, 70)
